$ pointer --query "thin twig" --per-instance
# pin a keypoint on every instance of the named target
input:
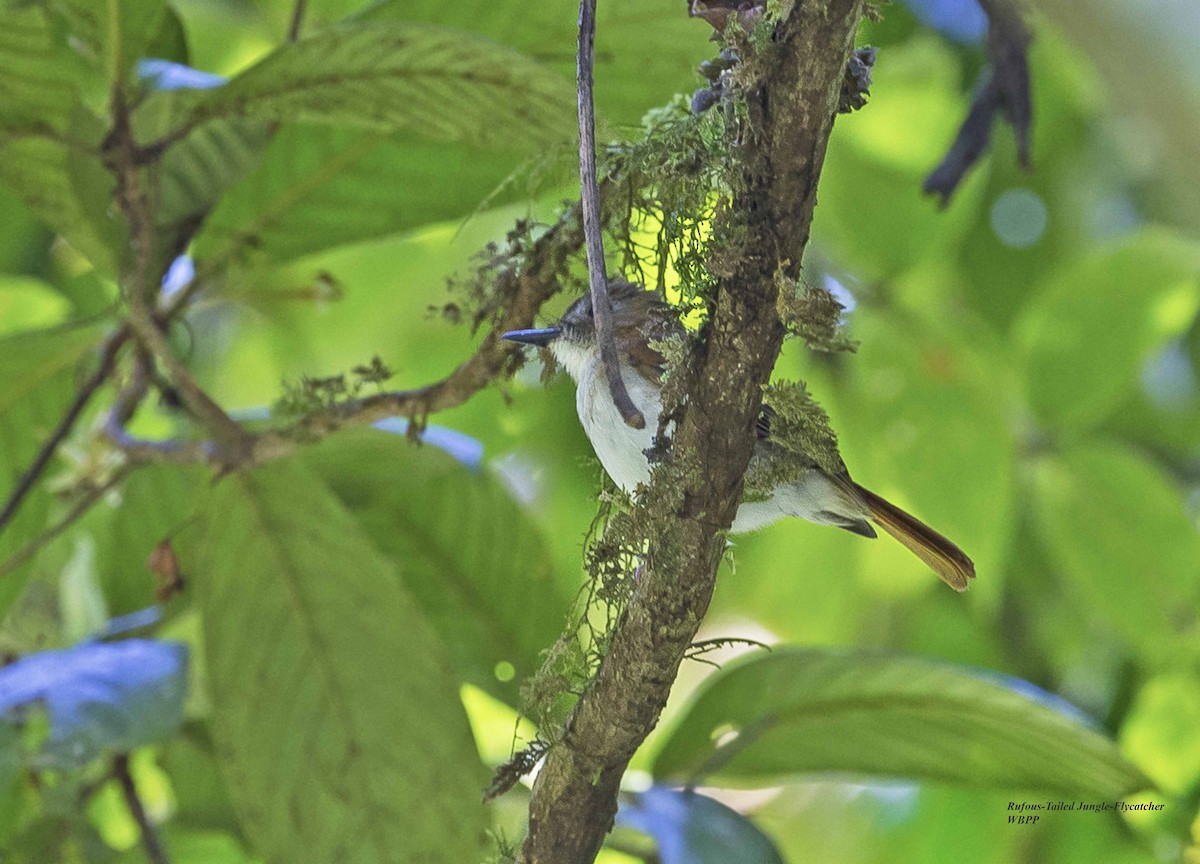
(81, 507)
(297, 21)
(590, 197)
(142, 450)
(230, 435)
(107, 359)
(155, 851)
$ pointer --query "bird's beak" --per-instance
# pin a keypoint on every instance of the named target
(541, 338)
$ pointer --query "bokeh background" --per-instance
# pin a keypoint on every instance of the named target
(1026, 379)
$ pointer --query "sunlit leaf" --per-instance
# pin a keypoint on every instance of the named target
(690, 828)
(1093, 323)
(1162, 730)
(100, 697)
(337, 724)
(801, 712)
(471, 557)
(1118, 532)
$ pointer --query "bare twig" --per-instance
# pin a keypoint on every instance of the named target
(141, 450)
(108, 358)
(155, 851)
(590, 198)
(1004, 89)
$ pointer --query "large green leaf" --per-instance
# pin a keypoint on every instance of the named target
(471, 557)
(799, 711)
(319, 187)
(389, 76)
(337, 720)
(1092, 324)
(37, 383)
(1118, 531)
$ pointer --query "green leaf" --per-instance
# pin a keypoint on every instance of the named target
(1093, 323)
(40, 76)
(63, 182)
(1118, 532)
(29, 304)
(446, 85)
(116, 33)
(337, 720)
(801, 711)
(473, 560)
(201, 795)
(645, 52)
(37, 383)
(319, 187)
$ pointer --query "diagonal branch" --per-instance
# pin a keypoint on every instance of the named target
(590, 198)
(790, 112)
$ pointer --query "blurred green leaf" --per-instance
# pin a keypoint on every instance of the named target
(29, 304)
(115, 33)
(1090, 326)
(446, 85)
(1162, 730)
(923, 414)
(201, 795)
(37, 383)
(62, 180)
(799, 711)
(58, 839)
(472, 558)
(689, 828)
(1117, 530)
(40, 76)
(337, 721)
(190, 846)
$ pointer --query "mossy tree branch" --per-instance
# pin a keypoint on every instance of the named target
(792, 90)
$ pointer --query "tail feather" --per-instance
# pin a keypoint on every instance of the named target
(946, 560)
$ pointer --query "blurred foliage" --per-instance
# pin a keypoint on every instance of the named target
(360, 618)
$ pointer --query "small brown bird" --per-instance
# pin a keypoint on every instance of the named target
(640, 318)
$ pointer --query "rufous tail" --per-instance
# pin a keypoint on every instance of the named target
(946, 560)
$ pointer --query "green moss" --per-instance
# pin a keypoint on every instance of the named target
(813, 314)
(800, 437)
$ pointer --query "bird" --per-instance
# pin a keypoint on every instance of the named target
(640, 320)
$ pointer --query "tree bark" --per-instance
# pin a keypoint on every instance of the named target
(791, 111)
